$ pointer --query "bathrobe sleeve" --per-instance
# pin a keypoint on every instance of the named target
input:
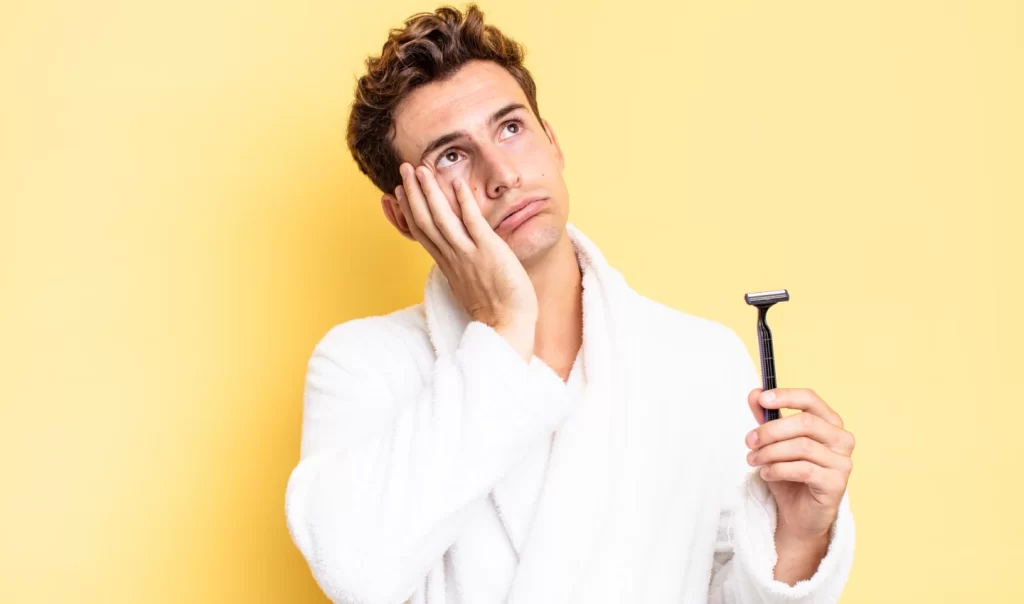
(387, 471)
(744, 561)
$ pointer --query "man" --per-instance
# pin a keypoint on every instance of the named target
(535, 430)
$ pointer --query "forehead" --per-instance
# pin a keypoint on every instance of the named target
(463, 102)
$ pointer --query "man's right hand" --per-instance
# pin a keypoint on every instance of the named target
(484, 273)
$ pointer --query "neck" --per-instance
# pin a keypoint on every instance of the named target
(558, 282)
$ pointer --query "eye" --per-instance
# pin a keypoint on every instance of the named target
(450, 155)
(518, 124)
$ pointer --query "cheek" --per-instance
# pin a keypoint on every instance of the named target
(541, 158)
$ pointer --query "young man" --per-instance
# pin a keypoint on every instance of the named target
(536, 431)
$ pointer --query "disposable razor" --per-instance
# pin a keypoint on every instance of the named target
(763, 301)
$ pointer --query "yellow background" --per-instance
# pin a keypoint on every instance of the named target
(181, 223)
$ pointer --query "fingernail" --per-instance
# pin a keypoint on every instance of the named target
(768, 396)
(752, 438)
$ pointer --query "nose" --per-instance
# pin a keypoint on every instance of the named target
(501, 172)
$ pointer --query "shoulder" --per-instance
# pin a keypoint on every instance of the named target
(680, 331)
(708, 356)
(397, 340)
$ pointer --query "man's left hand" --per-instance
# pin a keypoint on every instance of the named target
(805, 459)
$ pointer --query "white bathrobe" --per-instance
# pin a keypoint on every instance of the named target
(419, 428)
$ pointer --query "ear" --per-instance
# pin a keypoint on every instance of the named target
(393, 211)
(554, 141)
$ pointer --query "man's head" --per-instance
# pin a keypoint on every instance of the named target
(451, 93)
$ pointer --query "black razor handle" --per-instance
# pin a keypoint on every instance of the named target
(764, 341)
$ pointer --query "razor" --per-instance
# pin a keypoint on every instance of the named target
(763, 301)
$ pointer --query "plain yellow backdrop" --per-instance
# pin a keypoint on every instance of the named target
(181, 222)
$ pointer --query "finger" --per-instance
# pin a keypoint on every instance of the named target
(800, 448)
(756, 407)
(447, 222)
(813, 475)
(417, 233)
(421, 210)
(801, 424)
(803, 399)
(476, 224)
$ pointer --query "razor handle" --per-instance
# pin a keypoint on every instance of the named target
(768, 379)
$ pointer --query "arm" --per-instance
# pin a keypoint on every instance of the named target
(755, 563)
(382, 486)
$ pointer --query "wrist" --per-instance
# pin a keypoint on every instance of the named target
(520, 335)
(795, 533)
(799, 555)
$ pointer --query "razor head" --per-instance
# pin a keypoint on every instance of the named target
(762, 299)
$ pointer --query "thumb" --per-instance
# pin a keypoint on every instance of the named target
(755, 407)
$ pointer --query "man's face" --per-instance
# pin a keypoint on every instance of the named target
(504, 155)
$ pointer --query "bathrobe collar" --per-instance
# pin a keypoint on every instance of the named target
(586, 456)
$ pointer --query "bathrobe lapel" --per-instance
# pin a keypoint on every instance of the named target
(586, 459)
(586, 455)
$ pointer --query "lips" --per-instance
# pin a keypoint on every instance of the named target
(520, 213)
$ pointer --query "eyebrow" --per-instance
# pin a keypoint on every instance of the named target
(451, 137)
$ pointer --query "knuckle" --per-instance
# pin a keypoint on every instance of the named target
(805, 445)
(841, 481)
(802, 471)
(806, 420)
(847, 465)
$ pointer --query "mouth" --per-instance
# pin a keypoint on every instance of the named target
(522, 212)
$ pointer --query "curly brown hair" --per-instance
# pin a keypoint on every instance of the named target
(431, 47)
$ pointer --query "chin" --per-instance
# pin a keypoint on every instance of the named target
(534, 238)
